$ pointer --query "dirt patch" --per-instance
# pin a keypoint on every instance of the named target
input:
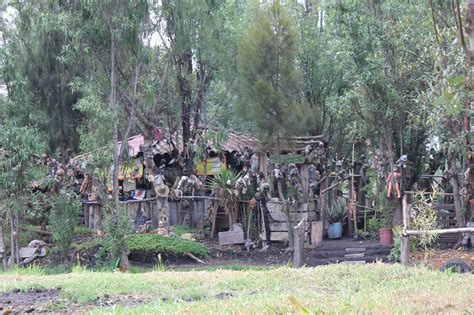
(123, 300)
(275, 254)
(31, 301)
(223, 295)
(49, 300)
(437, 257)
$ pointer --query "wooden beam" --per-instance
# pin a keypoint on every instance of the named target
(443, 231)
(428, 193)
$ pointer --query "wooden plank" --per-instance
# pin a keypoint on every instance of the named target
(444, 207)
(279, 227)
(445, 231)
(86, 214)
(354, 255)
(234, 236)
(26, 252)
(316, 234)
(276, 236)
(355, 249)
(446, 214)
(298, 253)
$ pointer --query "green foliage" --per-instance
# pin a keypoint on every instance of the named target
(214, 138)
(337, 211)
(155, 244)
(222, 183)
(395, 251)
(424, 218)
(116, 227)
(268, 76)
(374, 225)
(182, 229)
(28, 233)
(65, 208)
(37, 70)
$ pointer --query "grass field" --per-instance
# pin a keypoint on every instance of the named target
(377, 288)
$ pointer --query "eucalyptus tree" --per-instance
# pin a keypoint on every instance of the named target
(191, 35)
(111, 34)
(37, 71)
(448, 99)
(383, 47)
(21, 147)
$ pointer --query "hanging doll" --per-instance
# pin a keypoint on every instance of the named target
(338, 163)
(393, 179)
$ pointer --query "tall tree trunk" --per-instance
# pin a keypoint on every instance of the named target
(203, 80)
(12, 241)
(124, 263)
(2, 244)
(17, 238)
(184, 71)
(470, 32)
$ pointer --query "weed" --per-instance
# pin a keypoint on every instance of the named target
(159, 265)
(182, 229)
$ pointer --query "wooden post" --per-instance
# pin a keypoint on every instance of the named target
(97, 217)
(91, 217)
(404, 249)
(304, 175)
(322, 204)
(353, 193)
(404, 241)
(86, 214)
(316, 233)
(298, 254)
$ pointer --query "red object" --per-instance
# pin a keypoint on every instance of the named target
(157, 134)
(386, 236)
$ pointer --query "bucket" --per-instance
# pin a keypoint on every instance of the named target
(335, 230)
(386, 236)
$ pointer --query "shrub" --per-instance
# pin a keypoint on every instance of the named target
(158, 244)
(63, 218)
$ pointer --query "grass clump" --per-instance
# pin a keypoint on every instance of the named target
(182, 229)
(158, 244)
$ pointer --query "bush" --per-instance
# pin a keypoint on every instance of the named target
(63, 218)
(155, 244)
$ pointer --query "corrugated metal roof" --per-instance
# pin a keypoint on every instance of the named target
(235, 142)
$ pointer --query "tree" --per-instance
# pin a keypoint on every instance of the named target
(19, 165)
(192, 31)
(38, 74)
(112, 35)
(267, 73)
(381, 44)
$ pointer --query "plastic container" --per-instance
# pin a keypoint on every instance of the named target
(335, 230)
(386, 236)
